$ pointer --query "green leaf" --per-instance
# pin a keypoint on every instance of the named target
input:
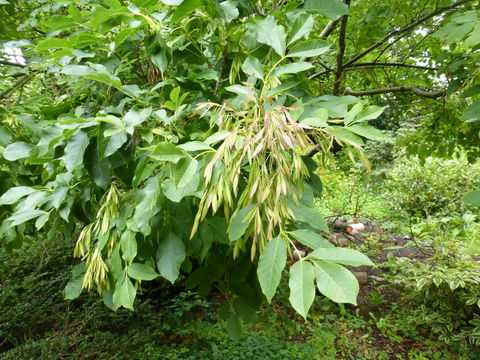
(234, 328)
(471, 112)
(128, 244)
(353, 112)
(253, 67)
(75, 149)
(238, 224)
(115, 142)
(292, 68)
(98, 168)
(302, 287)
(471, 198)
(336, 282)
(241, 90)
(271, 34)
(370, 113)
(166, 151)
(74, 288)
(367, 131)
(185, 171)
(24, 216)
(185, 8)
(228, 11)
(53, 43)
(160, 60)
(133, 118)
(114, 4)
(170, 255)
(311, 239)
(270, 266)
(78, 70)
(332, 9)
(309, 48)
(4, 2)
(59, 195)
(59, 22)
(17, 150)
(301, 27)
(14, 194)
(346, 135)
(41, 220)
(216, 137)
(343, 256)
(176, 194)
(124, 294)
(316, 185)
(310, 216)
(319, 122)
(282, 88)
(142, 272)
(147, 205)
(195, 146)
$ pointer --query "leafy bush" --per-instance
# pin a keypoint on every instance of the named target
(435, 187)
(465, 229)
(445, 294)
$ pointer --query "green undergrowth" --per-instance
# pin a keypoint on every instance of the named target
(407, 197)
(170, 323)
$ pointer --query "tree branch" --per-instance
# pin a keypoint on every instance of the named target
(341, 52)
(415, 89)
(328, 29)
(404, 29)
(392, 64)
(19, 84)
(370, 65)
(3, 62)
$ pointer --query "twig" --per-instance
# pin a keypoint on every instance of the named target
(415, 89)
(19, 84)
(9, 63)
(405, 29)
(389, 64)
(328, 29)
(341, 53)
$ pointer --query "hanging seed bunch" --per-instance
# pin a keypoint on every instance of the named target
(256, 171)
(96, 238)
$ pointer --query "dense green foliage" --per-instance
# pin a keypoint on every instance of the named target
(182, 140)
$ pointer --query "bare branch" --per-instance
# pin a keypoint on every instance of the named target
(313, 76)
(415, 89)
(341, 52)
(371, 65)
(3, 62)
(328, 29)
(19, 84)
(313, 151)
(404, 29)
(388, 64)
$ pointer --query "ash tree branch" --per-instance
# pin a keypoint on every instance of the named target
(412, 88)
(9, 63)
(389, 64)
(404, 29)
(19, 84)
(341, 52)
(371, 65)
(328, 29)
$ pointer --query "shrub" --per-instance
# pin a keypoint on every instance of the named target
(436, 187)
(445, 294)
